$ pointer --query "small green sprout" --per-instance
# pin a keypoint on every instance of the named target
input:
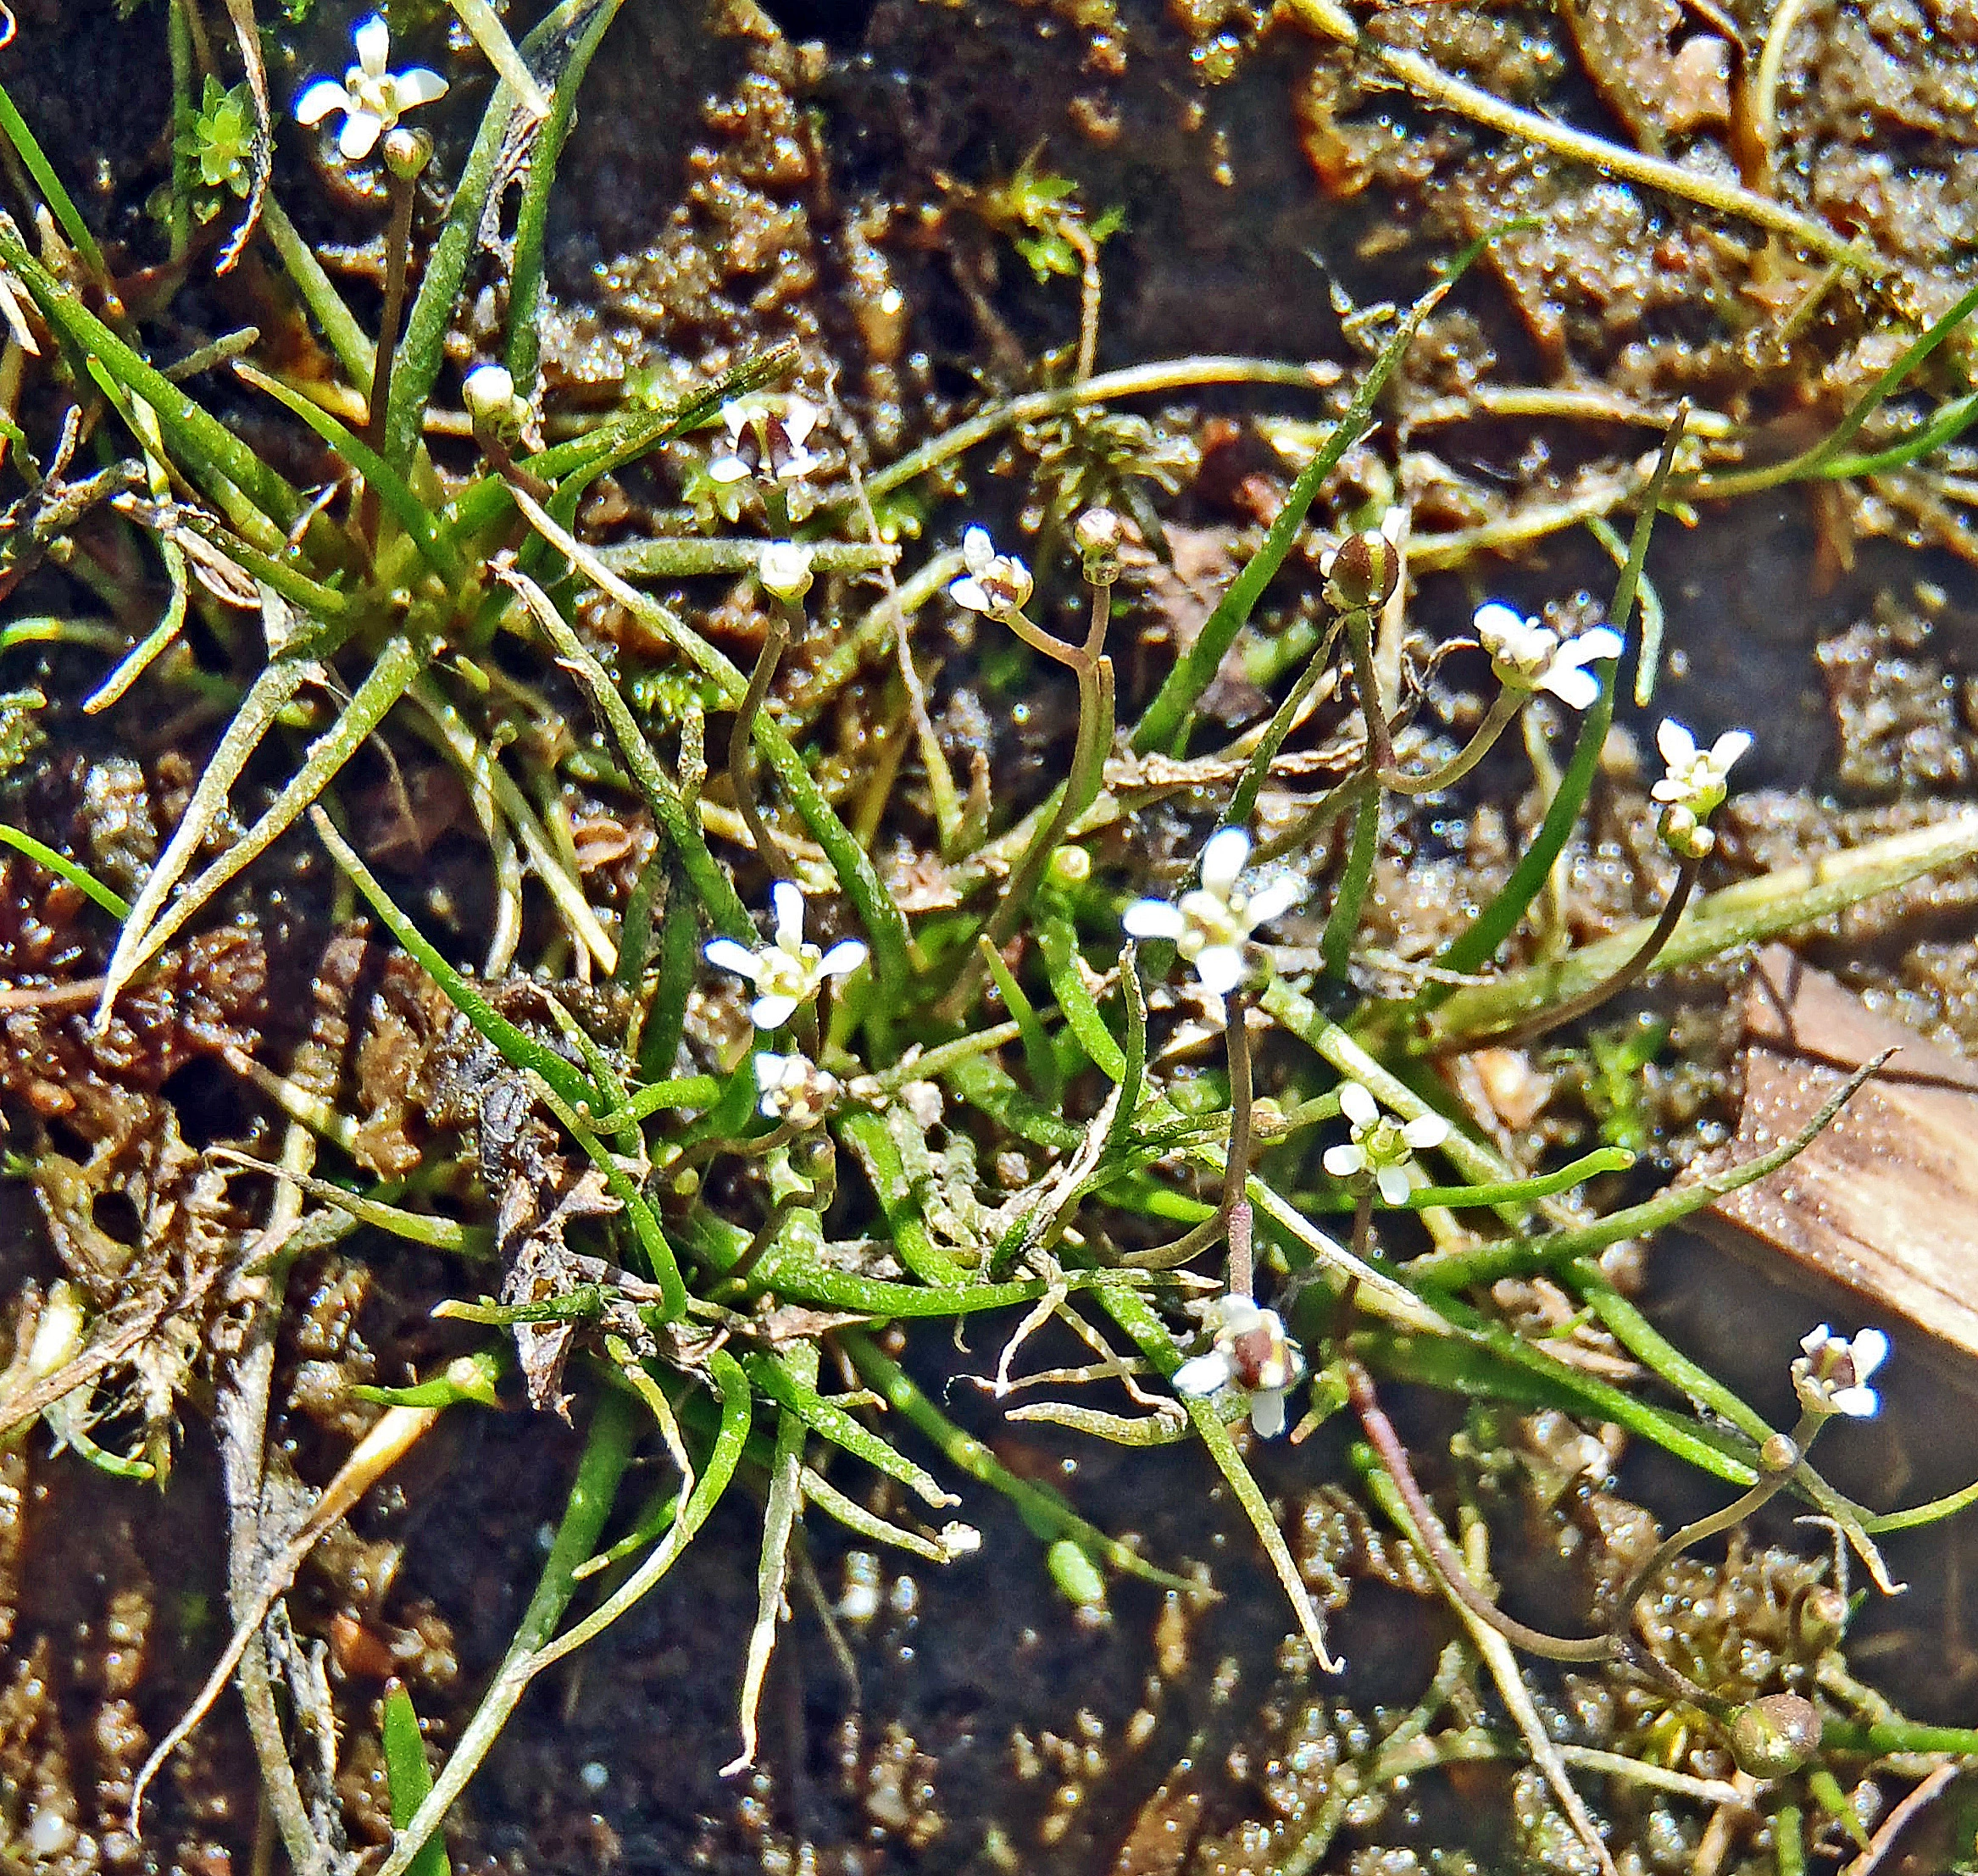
(221, 140)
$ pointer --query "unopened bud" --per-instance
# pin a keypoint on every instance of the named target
(1362, 572)
(1684, 835)
(1774, 1737)
(1097, 534)
(1780, 1453)
(489, 393)
(407, 152)
(785, 570)
(1821, 1618)
(1070, 866)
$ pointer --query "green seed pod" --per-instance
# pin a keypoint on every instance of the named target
(1774, 1737)
(1079, 1579)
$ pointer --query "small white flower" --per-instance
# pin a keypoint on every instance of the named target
(787, 972)
(996, 584)
(1527, 656)
(371, 98)
(1697, 778)
(1831, 1375)
(1251, 1352)
(1381, 1145)
(767, 439)
(793, 1088)
(1211, 924)
(784, 568)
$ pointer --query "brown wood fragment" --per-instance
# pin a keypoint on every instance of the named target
(1885, 1202)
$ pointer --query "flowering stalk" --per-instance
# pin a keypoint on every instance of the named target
(1830, 1378)
(1693, 789)
(785, 576)
(1221, 1222)
(1098, 533)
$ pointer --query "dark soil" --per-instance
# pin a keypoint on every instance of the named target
(731, 184)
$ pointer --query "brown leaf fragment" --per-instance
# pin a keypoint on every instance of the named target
(1885, 1202)
(1658, 86)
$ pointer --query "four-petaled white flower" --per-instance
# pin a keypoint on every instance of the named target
(1211, 924)
(1251, 1352)
(371, 98)
(1381, 1145)
(1697, 777)
(767, 438)
(996, 584)
(786, 973)
(1527, 656)
(793, 1088)
(784, 568)
(1831, 1376)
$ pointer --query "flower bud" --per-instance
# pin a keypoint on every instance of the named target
(1684, 835)
(1071, 865)
(785, 570)
(1780, 1453)
(407, 152)
(489, 393)
(1097, 534)
(1362, 572)
(1821, 1618)
(1774, 1737)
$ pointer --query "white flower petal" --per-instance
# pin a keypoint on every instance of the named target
(1816, 1339)
(1358, 1104)
(1225, 856)
(1858, 1403)
(978, 550)
(1494, 619)
(1154, 918)
(1679, 750)
(968, 592)
(1598, 642)
(419, 86)
(1267, 1412)
(788, 900)
(1728, 747)
(1273, 901)
(1393, 1183)
(1575, 688)
(725, 954)
(373, 39)
(771, 1069)
(772, 1012)
(1220, 968)
(843, 958)
(1342, 1162)
(1203, 1375)
(319, 99)
(727, 469)
(1869, 1350)
(800, 418)
(1427, 1131)
(360, 135)
(1232, 1315)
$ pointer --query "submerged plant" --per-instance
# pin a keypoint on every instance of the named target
(669, 1250)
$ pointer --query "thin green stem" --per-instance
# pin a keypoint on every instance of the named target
(741, 744)
(1342, 926)
(1504, 707)
(1516, 1035)
(1284, 719)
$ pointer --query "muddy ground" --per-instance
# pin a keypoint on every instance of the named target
(843, 180)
